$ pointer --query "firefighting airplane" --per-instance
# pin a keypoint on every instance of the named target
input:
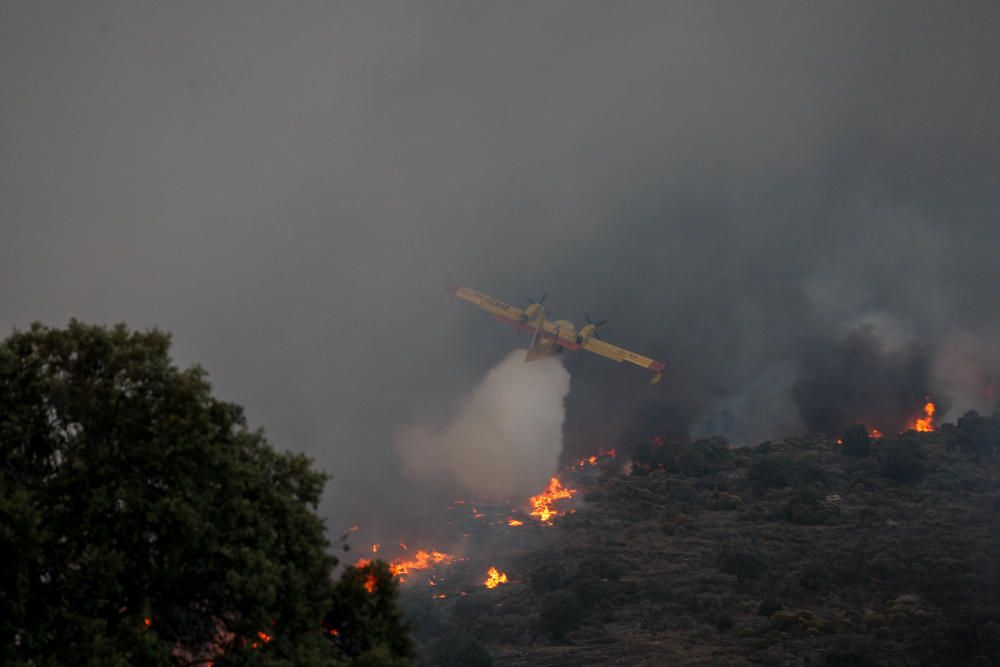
(550, 338)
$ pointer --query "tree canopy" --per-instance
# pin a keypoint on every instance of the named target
(143, 522)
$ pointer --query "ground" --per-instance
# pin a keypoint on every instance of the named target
(787, 553)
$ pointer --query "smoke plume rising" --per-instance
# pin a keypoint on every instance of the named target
(506, 438)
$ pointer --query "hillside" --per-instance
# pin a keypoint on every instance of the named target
(802, 552)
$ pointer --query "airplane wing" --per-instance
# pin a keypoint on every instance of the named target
(620, 354)
(495, 307)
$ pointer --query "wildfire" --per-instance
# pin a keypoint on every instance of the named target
(514, 522)
(422, 560)
(370, 582)
(925, 424)
(596, 458)
(542, 503)
(494, 578)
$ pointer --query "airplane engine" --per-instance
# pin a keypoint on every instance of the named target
(566, 329)
(532, 312)
(585, 333)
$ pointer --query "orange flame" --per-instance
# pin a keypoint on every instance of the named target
(370, 582)
(596, 458)
(264, 636)
(925, 424)
(514, 522)
(542, 503)
(422, 560)
(494, 578)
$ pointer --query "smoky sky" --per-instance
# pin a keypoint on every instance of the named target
(739, 188)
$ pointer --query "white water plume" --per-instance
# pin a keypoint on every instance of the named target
(505, 441)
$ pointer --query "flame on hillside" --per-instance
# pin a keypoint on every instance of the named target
(422, 560)
(925, 424)
(601, 456)
(541, 505)
(494, 578)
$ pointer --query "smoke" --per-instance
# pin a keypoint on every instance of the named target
(966, 368)
(873, 371)
(505, 440)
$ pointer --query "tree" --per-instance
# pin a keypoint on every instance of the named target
(143, 522)
(364, 619)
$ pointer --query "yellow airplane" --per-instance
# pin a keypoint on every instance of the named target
(550, 338)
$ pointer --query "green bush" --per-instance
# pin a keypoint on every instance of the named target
(852, 651)
(768, 607)
(591, 591)
(547, 576)
(697, 459)
(770, 471)
(459, 649)
(904, 462)
(741, 559)
(976, 434)
(855, 441)
(807, 508)
(560, 612)
(602, 568)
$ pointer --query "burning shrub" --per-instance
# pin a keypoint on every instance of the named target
(856, 441)
(364, 617)
(560, 612)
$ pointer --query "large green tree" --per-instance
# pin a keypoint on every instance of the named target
(142, 522)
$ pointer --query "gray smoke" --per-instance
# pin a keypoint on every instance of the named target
(505, 441)
(735, 186)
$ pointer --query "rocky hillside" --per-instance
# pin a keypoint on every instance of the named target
(803, 552)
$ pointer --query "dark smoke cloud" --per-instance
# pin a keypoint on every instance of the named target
(736, 186)
(861, 377)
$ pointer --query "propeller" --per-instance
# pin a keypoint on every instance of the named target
(533, 302)
(597, 325)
